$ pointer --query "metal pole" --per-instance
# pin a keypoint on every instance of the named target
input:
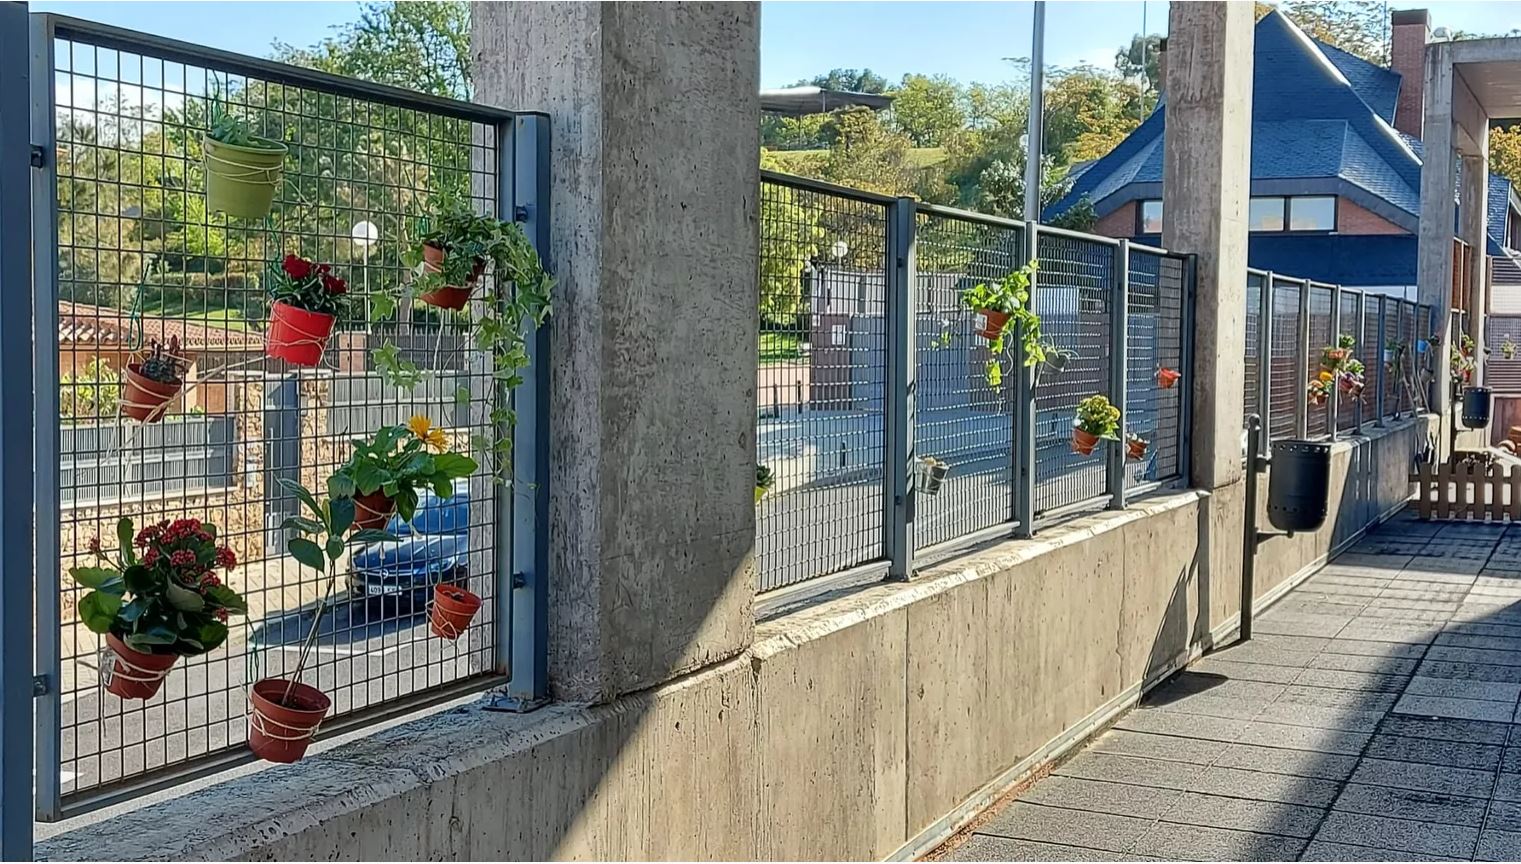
(1256, 462)
(1024, 412)
(898, 532)
(16, 577)
(1333, 404)
(1361, 317)
(1265, 330)
(1190, 317)
(1379, 408)
(1119, 314)
(1302, 363)
(1035, 131)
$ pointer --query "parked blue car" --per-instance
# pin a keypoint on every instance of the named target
(434, 548)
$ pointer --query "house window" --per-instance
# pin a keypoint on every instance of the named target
(1265, 214)
(1312, 213)
(1149, 218)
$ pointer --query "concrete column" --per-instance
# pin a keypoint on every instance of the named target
(1473, 207)
(1438, 213)
(654, 118)
(1206, 182)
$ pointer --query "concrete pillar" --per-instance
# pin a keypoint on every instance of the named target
(1438, 214)
(1473, 207)
(654, 230)
(1206, 182)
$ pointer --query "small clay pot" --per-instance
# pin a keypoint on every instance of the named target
(135, 675)
(1137, 449)
(992, 323)
(143, 399)
(280, 729)
(1166, 378)
(373, 510)
(1083, 442)
(449, 296)
(453, 610)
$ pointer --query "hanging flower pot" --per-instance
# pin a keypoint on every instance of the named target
(297, 335)
(764, 478)
(1083, 442)
(373, 510)
(993, 323)
(133, 674)
(282, 726)
(1167, 378)
(932, 474)
(144, 399)
(242, 180)
(453, 610)
(1096, 418)
(1299, 484)
(449, 296)
(1057, 359)
(1135, 447)
(1477, 402)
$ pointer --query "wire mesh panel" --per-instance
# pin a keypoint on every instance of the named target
(959, 419)
(1154, 349)
(1075, 285)
(1370, 349)
(1320, 337)
(820, 385)
(1286, 382)
(1251, 356)
(145, 264)
(1350, 395)
(1397, 353)
(1421, 349)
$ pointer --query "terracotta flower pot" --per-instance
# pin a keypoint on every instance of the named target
(1137, 449)
(144, 399)
(1083, 442)
(135, 675)
(1317, 399)
(279, 730)
(993, 323)
(297, 335)
(373, 510)
(449, 296)
(453, 609)
(1166, 378)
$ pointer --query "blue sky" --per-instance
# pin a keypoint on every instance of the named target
(966, 40)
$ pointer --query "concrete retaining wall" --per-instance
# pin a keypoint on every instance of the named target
(867, 726)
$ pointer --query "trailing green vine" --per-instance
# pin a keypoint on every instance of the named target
(1009, 298)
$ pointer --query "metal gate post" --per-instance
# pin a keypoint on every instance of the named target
(1333, 404)
(16, 689)
(1265, 330)
(1188, 349)
(1024, 410)
(1302, 363)
(1362, 334)
(902, 334)
(1380, 353)
(1119, 316)
(522, 563)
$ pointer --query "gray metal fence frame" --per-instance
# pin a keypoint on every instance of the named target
(520, 541)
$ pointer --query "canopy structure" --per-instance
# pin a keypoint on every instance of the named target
(798, 101)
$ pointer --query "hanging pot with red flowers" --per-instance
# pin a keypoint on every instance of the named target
(307, 300)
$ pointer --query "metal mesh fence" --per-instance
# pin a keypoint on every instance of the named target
(1154, 347)
(1251, 358)
(1420, 352)
(1286, 381)
(1074, 290)
(1350, 323)
(1370, 349)
(959, 419)
(821, 380)
(1396, 355)
(1321, 336)
(143, 259)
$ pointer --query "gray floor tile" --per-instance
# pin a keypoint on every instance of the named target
(1169, 747)
(1493, 691)
(1120, 799)
(1131, 769)
(1185, 725)
(1426, 838)
(1301, 763)
(1346, 700)
(1508, 786)
(1365, 663)
(1411, 804)
(1473, 655)
(1477, 731)
(1265, 786)
(1304, 738)
(1485, 757)
(1197, 843)
(1320, 718)
(1475, 640)
(1320, 850)
(1504, 816)
(1498, 846)
(1248, 671)
(983, 847)
(1022, 821)
(1471, 671)
(1442, 779)
(1367, 681)
(1241, 814)
(1462, 709)
(1373, 649)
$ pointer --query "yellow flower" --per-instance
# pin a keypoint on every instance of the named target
(1325, 376)
(427, 433)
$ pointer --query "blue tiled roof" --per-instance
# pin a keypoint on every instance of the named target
(1375, 85)
(1499, 204)
(1355, 260)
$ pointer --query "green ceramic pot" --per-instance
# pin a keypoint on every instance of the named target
(242, 181)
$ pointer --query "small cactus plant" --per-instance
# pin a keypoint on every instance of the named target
(164, 365)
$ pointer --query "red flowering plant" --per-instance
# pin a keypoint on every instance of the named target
(308, 285)
(166, 598)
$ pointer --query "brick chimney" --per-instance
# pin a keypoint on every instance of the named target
(1410, 31)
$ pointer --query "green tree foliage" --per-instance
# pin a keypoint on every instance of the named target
(790, 237)
(1141, 60)
(1356, 26)
(852, 80)
(1505, 152)
(422, 46)
(1089, 111)
(928, 109)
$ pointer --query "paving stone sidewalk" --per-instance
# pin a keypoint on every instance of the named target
(1373, 718)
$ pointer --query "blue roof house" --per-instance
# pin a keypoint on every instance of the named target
(1336, 163)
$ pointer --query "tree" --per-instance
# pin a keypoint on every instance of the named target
(852, 80)
(790, 237)
(1141, 59)
(1088, 112)
(1505, 152)
(422, 46)
(1358, 27)
(928, 109)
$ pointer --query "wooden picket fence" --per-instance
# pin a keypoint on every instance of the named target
(1464, 490)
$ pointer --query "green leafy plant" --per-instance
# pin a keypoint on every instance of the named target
(1096, 415)
(1508, 349)
(1461, 358)
(1010, 296)
(763, 477)
(396, 462)
(307, 285)
(165, 365)
(168, 599)
(233, 130)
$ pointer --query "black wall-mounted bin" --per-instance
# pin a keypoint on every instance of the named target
(1299, 485)
(1477, 402)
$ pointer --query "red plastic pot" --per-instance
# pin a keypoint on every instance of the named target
(373, 510)
(992, 323)
(449, 296)
(297, 335)
(144, 399)
(1137, 449)
(1166, 378)
(135, 675)
(453, 610)
(280, 729)
(1083, 442)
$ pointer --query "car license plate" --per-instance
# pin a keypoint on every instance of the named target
(377, 589)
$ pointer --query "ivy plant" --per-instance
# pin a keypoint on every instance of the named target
(1011, 296)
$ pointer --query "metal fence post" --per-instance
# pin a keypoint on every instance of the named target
(902, 333)
(1302, 363)
(1265, 330)
(1381, 354)
(16, 576)
(1188, 325)
(1024, 411)
(1362, 335)
(1333, 403)
(522, 597)
(1119, 385)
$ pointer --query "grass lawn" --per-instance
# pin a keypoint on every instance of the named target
(779, 347)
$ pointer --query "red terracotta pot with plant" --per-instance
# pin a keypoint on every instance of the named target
(453, 253)
(159, 606)
(384, 472)
(1135, 446)
(284, 718)
(149, 384)
(306, 303)
(1096, 420)
(449, 296)
(1167, 378)
(453, 610)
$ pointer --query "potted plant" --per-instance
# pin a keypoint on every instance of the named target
(1167, 378)
(1096, 419)
(1319, 390)
(284, 712)
(1002, 305)
(243, 170)
(384, 472)
(1351, 378)
(1333, 357)
(763, 480)
(150, 383)
(932, 473)
(305, 302)
(1135, 446)
(454, 607)
(1462, 360)
(454, 251)
(1508, 349)
(159, 605)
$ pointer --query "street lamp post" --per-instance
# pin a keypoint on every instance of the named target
(365, 235)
